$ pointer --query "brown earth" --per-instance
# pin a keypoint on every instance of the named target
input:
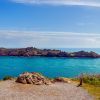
(10, 90)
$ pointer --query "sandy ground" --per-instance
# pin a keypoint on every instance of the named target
(9, 90)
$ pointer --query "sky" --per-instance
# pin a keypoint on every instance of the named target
(50, 23)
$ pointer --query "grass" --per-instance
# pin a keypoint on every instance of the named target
(93, 90)
(91, 83)
(7, 78)
(92, 79)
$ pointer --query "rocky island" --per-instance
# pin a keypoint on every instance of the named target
(31, 51)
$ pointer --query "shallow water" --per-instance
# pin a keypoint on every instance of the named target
(51, 67)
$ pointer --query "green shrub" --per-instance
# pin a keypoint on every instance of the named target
(91, 79)
(7, 78)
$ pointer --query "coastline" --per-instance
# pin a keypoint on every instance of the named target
(58, 90)
(30, 51)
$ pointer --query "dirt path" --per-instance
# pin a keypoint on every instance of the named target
(9, 90)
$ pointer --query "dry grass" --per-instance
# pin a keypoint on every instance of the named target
(93, 90)
(91, 83)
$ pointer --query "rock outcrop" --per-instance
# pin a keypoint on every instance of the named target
(30, 51)
(62, 79)
(33, 78)
(38, 79)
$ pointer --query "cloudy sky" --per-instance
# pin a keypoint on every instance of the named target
(50, 23)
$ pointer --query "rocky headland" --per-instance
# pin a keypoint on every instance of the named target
(30, 51)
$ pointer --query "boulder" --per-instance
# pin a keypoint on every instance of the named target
(62, 79)
(33, 78)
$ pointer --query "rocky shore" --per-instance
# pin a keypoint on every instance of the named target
(30, 51)
(38, 79)
(34, 86)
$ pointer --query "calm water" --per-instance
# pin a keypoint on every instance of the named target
(51, 67)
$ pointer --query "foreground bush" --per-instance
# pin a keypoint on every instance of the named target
(92, 79)
(89, 79)
(91, 83)
(7, 78)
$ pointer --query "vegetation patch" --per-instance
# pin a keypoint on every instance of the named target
(91, 83)
(7, 78)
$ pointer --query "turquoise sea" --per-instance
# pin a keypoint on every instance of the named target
(49, 66)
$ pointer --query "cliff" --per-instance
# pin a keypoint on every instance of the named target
(30, 51)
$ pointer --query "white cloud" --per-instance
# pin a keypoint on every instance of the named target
(93, 3)
(48, 39)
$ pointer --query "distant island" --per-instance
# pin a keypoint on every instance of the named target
(32, 51)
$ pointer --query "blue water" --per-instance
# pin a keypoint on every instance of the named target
(51, 67)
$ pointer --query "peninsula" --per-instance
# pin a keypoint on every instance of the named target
(32, 51)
